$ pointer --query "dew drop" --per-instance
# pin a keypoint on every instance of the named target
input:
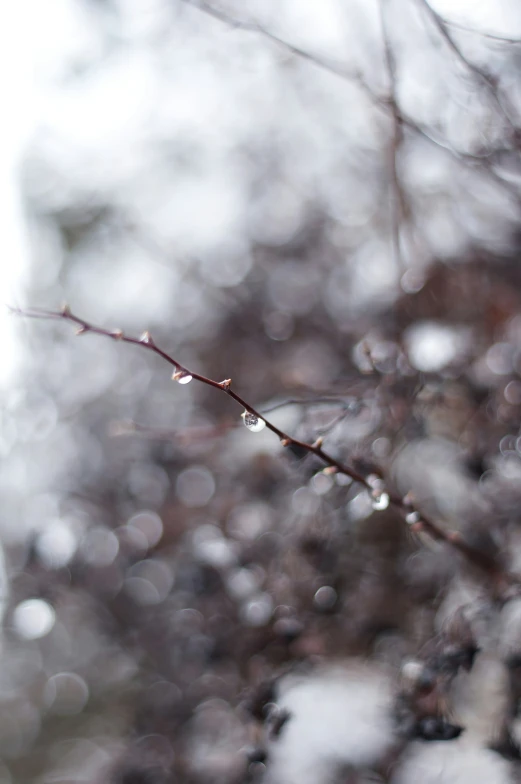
(381, 502)
(182, 377)
(253, 422)
(325, 598)
(412, 518)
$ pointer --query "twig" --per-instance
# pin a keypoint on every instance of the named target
(399, 203)
(339, 402)
(353, 76)
(492, 36)
(416, 520)
(488, 82)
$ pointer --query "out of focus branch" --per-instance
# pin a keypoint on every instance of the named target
(351, 75)
(488, 82)
(383, 103)
(416, 520)
(482, 33)
(399, 203)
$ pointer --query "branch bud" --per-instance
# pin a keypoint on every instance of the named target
(329, 470)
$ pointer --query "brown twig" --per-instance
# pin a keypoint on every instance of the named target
(417, 521)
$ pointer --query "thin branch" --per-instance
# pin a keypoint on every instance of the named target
(416, 520)
(380, 102)
(350, 75)
(491, 36)
(488, 82)
(399, 202)
(339, 402)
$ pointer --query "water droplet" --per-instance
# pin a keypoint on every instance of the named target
(381, 502)
(325, 598)
(182, 377)
(375, 482)
(412, 518)
(253, 422)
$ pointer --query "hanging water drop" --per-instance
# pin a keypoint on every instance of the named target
(182, 377)
(412, 517)
(253, 422)
(381, 502)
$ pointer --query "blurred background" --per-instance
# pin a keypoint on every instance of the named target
(321, 201)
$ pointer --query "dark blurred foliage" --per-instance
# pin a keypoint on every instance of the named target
(322, 203)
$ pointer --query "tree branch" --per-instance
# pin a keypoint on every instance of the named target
(350, 75)
(399, 202)
(487, 81)
(416, 520)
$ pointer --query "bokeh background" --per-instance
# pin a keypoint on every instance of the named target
(321, 201)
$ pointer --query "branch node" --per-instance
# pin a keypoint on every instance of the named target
(286, 441)
(117, 334)
(226, 384)
(146, 337)
(329, 470)
(408, 499)
(453, 537)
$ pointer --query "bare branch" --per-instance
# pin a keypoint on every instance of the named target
(349, 75)
(491, 36)
(380, 102)
(486, 80)
(399, 202)
(416, 520)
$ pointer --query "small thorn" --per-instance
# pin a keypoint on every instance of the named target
(285, 441)
(454, 537)
(81, 330)
(176, 375)
(318, 443)
(117, 334)
(65, 310)
(226, 384)
(408, 499)
(146, 337)
(328, 470)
